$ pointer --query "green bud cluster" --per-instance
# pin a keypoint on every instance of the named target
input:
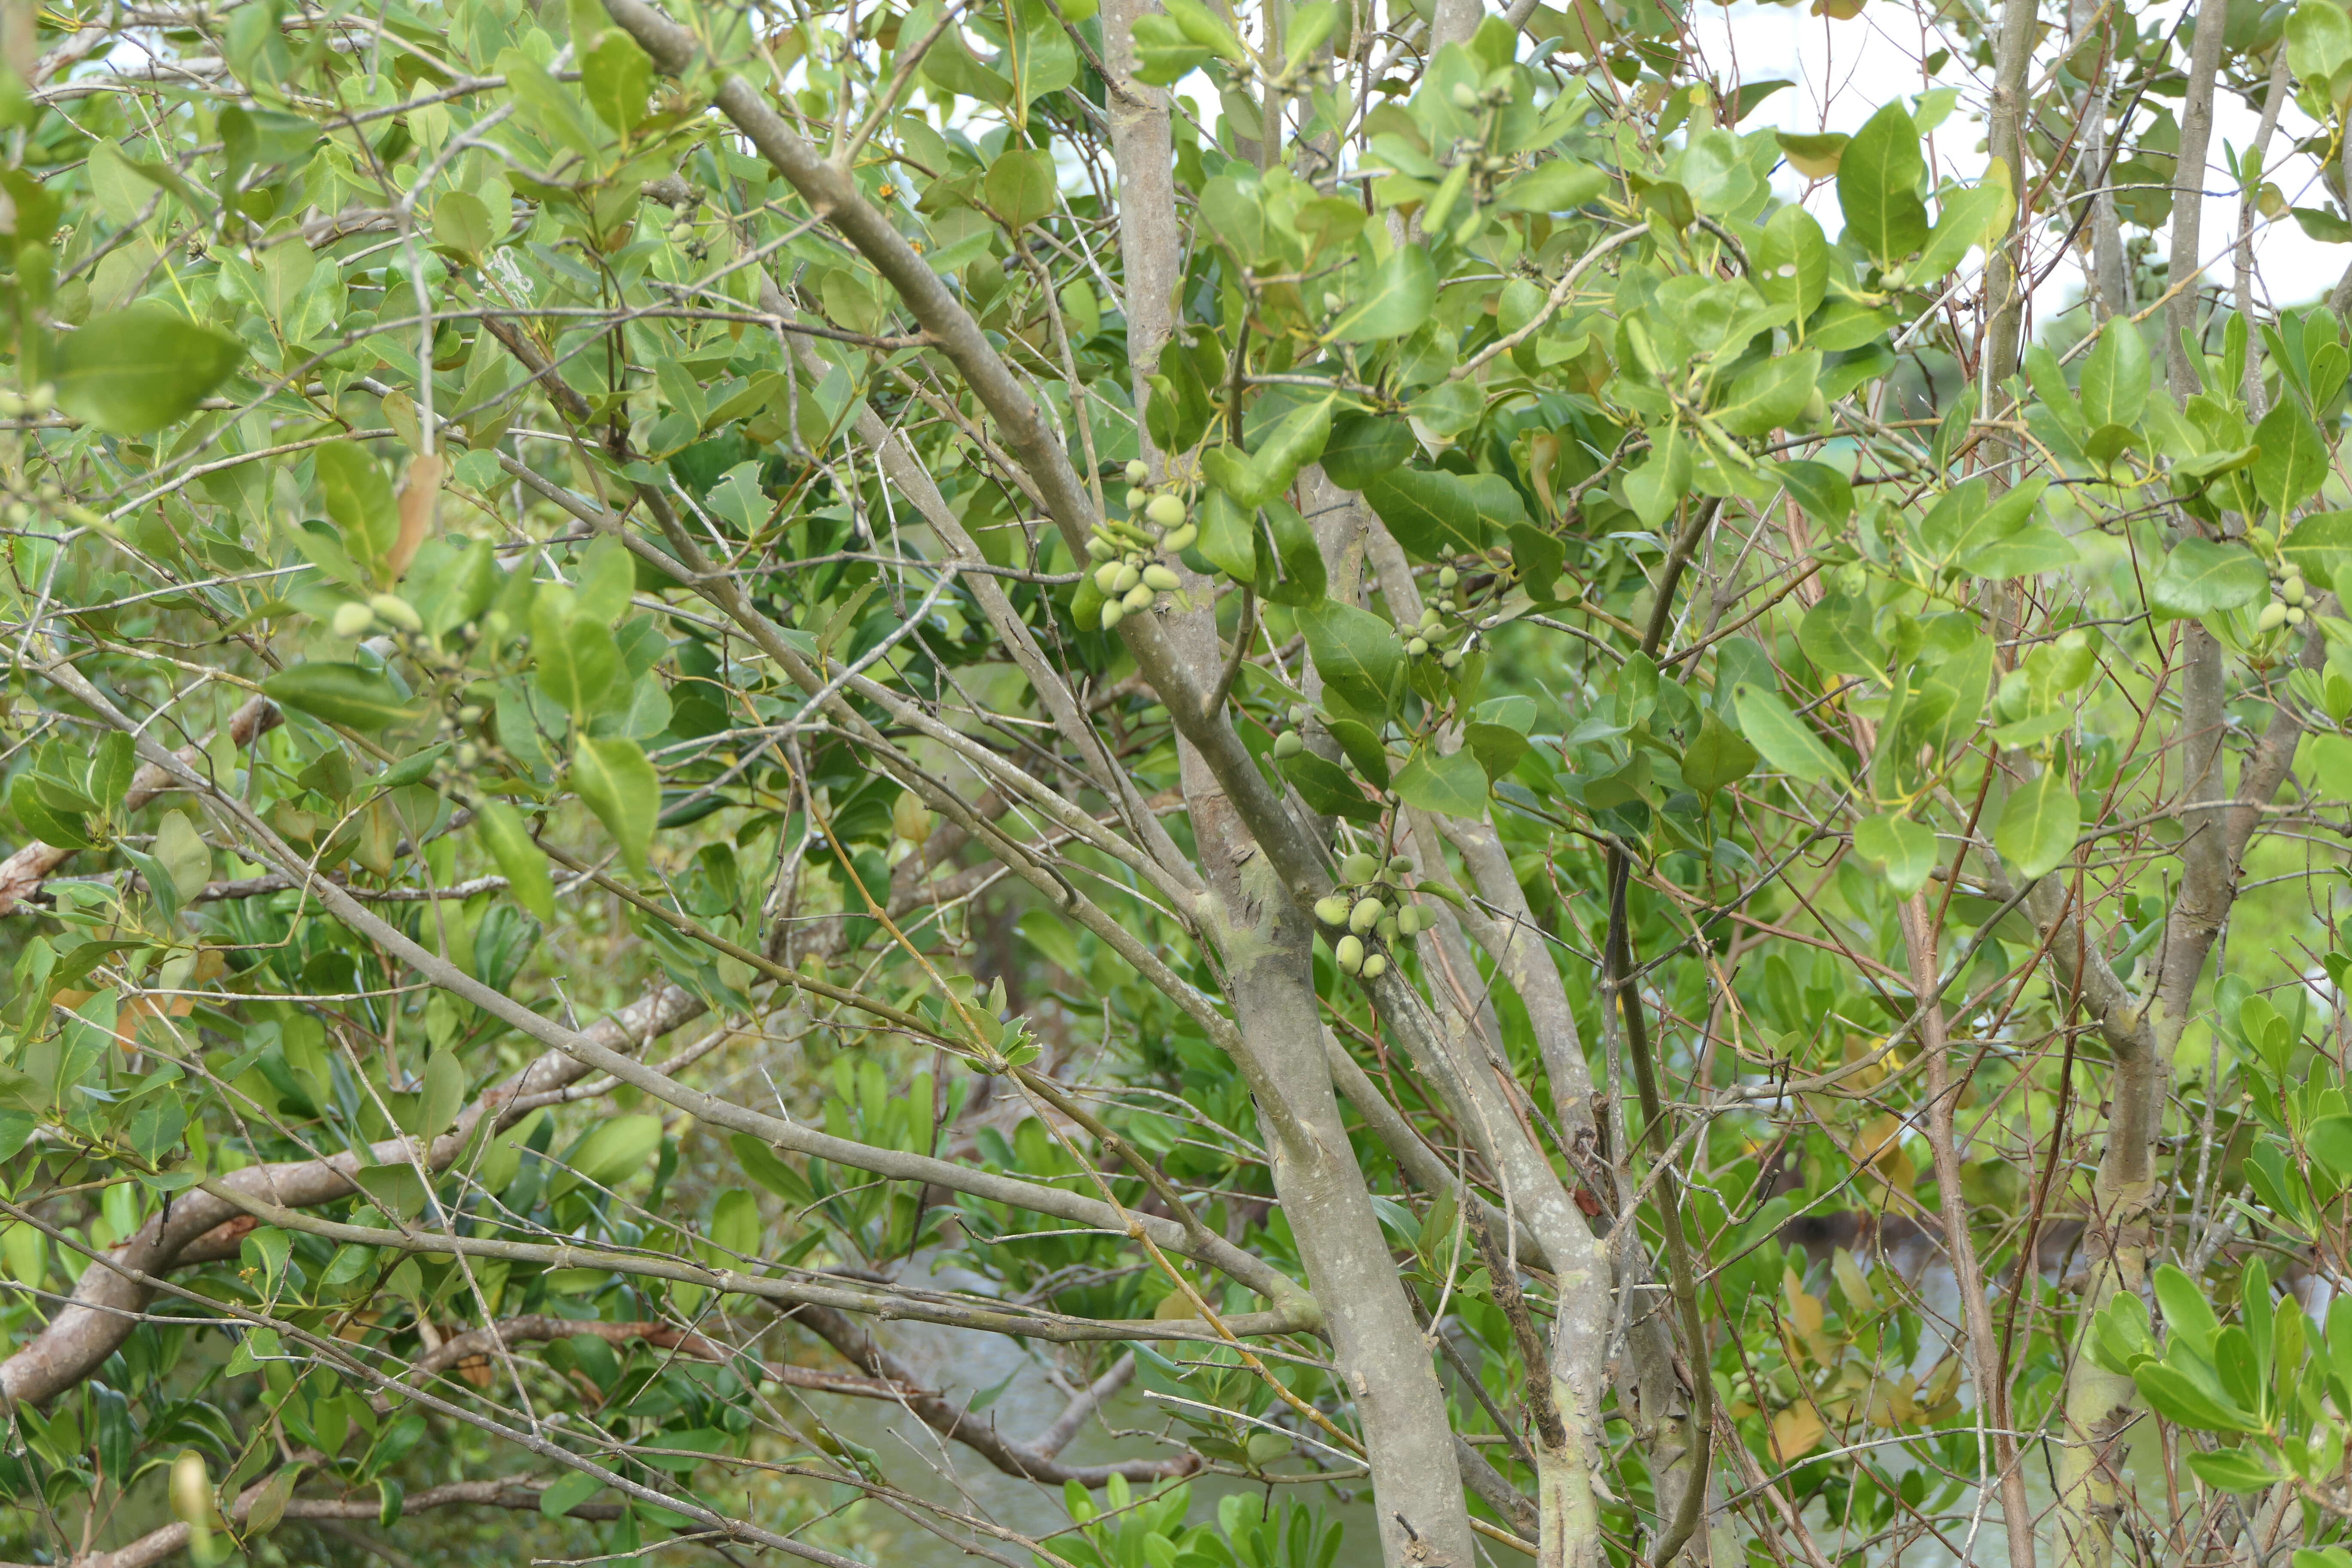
(1127, 554)
(1431, 636)
(1368, 907)
(2290, 600)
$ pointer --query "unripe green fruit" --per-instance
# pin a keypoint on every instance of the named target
(1137, 471)
(1112, 614)
(2293, 591)
(1137, 499)
(1417, 647)
(2295, 616)
(1448, 577)
(1375, 965)
(1106, 576)
(1180, 540)
(1138, 597)
(1430, 618)
(1288, 744)
(396, 611)
(1160, 577)
(1365, 915)
(1298, 713)
(1332, 909)
(1410, 920)
(1358, 867)
(1348, 951)
(2274, 617)
(191, 1489)
(1400, 864)
(1453, 659)
(1386, 929)
(1126, 577)
(1464, 96)
(353, 620)
(1165, 509)
(1099, 547)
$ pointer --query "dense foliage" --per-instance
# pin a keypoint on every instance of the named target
(1477, 785)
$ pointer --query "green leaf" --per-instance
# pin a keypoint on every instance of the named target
(2232, 1470)
(614, 1148)
(575, 658)
(345, 694)
(1664, 480)
(615, 77)
(1904, 849)
(763, 1166)
(1452, 785)
(1497, 747)
(1228, 537)
(2202, 578)
(1771, 396)
(1325, 788)
(1878, 186)
(2318, 545)
(1438, 515)
(135, 370)
(1557, 186)
(2115, 378)
(1717, 756)
(2038, 823)
(2030, 552)
(1971, 217)
(1019, 186)
(1835, 633)
(50, 824)
(567, 1492)
(1782, 739)
(359, 499)
(462, 226)
(2294, 461)
(1363, 747)
(1356, 653)
(621, 787)
(1790, 263)
(1537, 557)
(1822, 490)
(2330, 1142)
(1396, 299)
(398, 1190)
(1363, 447)
(2174, 1395)
(443, 1095)
(522, 862)
(2318, 41)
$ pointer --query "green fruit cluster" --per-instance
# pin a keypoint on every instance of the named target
(2290, 600)
(1367, 906)
(1127, 554)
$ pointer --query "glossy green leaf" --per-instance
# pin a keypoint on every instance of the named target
(1717, 756)
(522, 862)
(2202, 578)
(1878, 186)
(2038, 825)
(1782, 739)
(1555, 186)
(1451, 785)
(620, 786)
(136, 370)
(1363, 447)
(1437, 515)
(1771, 396)
(1394, 298)
(2116, 377)
(345, 694)
(1357, 653)
(2295, 457)
(1903, 849)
